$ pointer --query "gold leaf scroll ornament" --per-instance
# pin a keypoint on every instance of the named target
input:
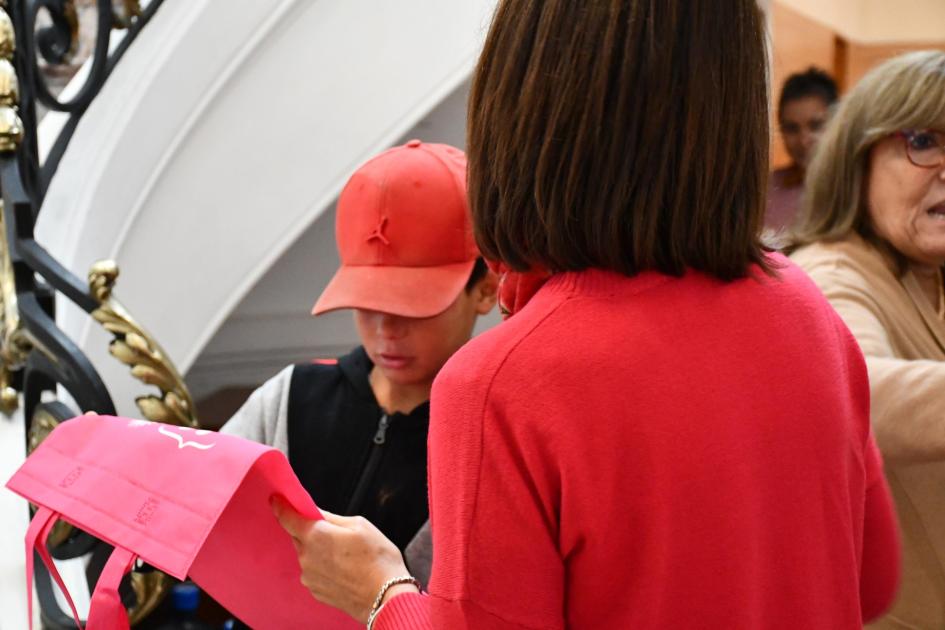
(136, 348)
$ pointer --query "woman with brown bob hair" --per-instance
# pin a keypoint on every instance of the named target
(647, 443)
(872, 236)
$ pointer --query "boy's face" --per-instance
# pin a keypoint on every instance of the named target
(410, 351)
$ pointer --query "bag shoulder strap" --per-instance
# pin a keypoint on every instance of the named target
(106, 611)
(36, 536)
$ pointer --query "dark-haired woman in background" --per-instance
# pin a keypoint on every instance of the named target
(803, 110)
(674, 431)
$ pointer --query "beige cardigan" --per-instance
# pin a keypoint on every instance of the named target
(903, 341)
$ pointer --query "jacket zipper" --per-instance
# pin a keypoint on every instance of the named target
(370, 469)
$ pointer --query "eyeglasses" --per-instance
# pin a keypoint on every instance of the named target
(925, 147)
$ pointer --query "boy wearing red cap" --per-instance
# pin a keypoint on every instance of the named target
(355, 429)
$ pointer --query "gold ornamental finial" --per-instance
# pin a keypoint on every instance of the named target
(102, 277)
(9, 85)
(9, 397)
(7, 36)
(15, 343)
(11, 130)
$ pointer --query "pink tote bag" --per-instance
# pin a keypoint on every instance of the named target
(189, 502)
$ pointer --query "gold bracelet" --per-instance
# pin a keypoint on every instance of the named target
(376, 607)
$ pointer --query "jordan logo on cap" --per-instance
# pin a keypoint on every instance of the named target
(378, 232)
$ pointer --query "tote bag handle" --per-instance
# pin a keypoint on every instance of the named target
(106, 611)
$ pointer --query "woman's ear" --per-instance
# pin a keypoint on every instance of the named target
(485, 292)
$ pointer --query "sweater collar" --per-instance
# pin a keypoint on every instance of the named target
(601, 282)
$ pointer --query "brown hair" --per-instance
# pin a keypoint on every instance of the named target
(621, 134)
(905, 92)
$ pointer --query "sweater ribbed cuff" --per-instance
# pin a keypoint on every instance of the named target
(409, 611)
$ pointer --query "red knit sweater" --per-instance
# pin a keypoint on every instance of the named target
(657, 452)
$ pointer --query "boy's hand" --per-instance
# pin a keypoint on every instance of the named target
(344, 559)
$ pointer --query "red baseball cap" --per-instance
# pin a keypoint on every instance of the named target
(404, 234)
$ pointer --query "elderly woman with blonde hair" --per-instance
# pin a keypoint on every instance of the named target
(871, 234)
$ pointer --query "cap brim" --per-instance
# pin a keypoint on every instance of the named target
(405, 291)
